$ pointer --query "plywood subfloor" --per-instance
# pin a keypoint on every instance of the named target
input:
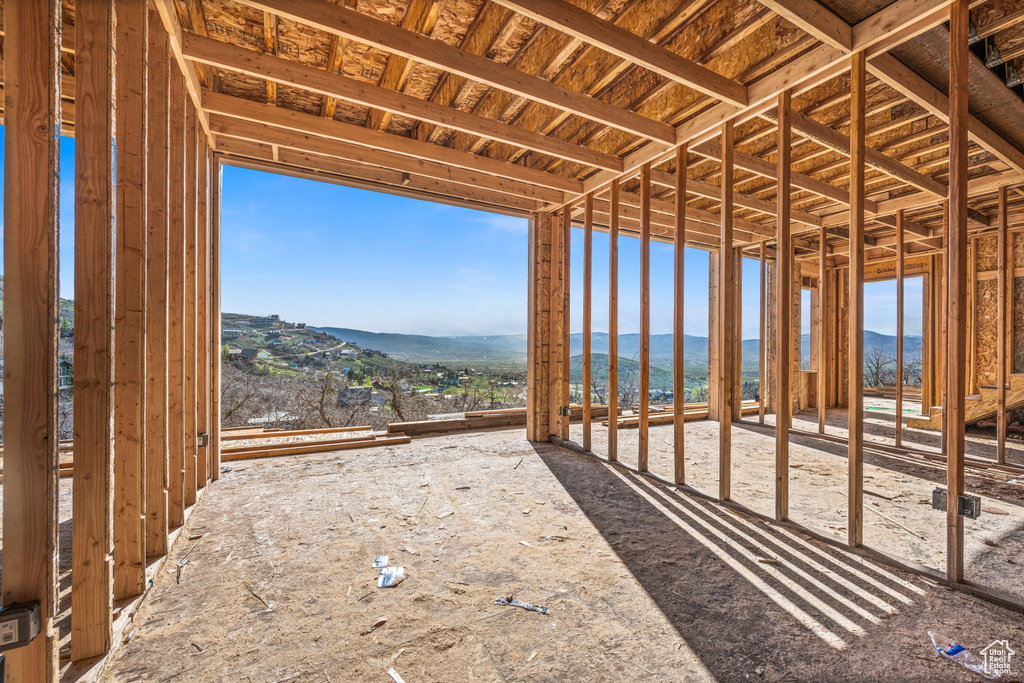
(643, 582)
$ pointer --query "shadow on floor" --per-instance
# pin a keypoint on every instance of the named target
(753, 599)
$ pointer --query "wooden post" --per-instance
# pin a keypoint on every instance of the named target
(678, 333)
(202, 317)
(822, 335)
(855, 403)
(588, 253)
(130, 302)
(566, 243)
(899, 327)
(726, 320)
(645, 312)
(1001, 325)
(762, 365)
(540, 330)
(157, 171)
(556, 300)
(956, 268)
(613, 323)
(92, 586)
(736, 353)
(784, 309)
(176, 303)
(972, 315)
(190, 337)
(215, 419)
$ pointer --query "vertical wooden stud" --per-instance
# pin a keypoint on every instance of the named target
(855, 403)
(130, 302)
(176, 302)
(1001, 327)
(566, 243)
(157, 172)
(613, 324)
(956, 299)
(92, 588)
(899, 326)
(822, 336)
(678, 362)
(588, 254)
(784, 309)
(191, 239)
(645, 313)
(215, 199)
(762, 364)
(202, 318)
(726, 319)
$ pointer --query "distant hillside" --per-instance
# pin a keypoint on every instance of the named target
(512, 347)
(628, 369)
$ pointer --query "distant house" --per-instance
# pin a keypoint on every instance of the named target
(273, 333)
(276, 418)
(248, 355)
(348, 352)
(66, 374)
(300, 326)
(230, 334)
(355, 396)
(234, 354)
(321, 336)
(263, 354)
(262, 320)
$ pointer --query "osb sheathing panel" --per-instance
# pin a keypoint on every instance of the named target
(986, 343)
(1018, 324)
(986, 250)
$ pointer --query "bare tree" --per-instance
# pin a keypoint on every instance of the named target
(879, 367)
(316, 401)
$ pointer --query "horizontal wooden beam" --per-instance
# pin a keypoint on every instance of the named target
(606, 36)
(275, 145)
(289, 72)
(347, 23)
(838, 142)
(309, 171)
(897, 75)
(360, 136)
(815, 20)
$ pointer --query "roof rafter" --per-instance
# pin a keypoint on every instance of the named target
(361, 28)
(255, 63)
(605, 35)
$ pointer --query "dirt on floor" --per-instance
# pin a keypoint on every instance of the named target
(898, 520)
(643, 581)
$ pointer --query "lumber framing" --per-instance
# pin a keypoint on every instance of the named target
(645, 316)
(92, 584)
(726, 317)
(678, 319)
(855, 363)
(132, 20)
(784, 311)
(613, 321)
(157, 184)
(190, 486)
(956, 309)
(176, 304)
(1003, 287)
(588, 268)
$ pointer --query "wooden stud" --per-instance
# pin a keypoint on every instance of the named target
(176, 304)
(1002, 317)
(899, 326)
(157, 172)
(130, 302)
(566, 243)
(588, 253)
(645, 314)
(784, 310)
(762, 365)
(554, 264)
(613, 323)
(726, 319)
(190, 357)
(202, 314)
(822, 336)
(855, 402)
(92, 587)
(972, 315)
(736, 354)
(215, 371)
(956, 269)
(678, 332)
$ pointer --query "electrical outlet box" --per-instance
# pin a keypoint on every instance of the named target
(19, 624)
(968, 506)
(939, 498)
(203, 440)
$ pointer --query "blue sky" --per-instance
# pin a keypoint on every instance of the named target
(335, 256)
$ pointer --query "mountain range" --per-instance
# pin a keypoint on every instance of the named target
(512, 347)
